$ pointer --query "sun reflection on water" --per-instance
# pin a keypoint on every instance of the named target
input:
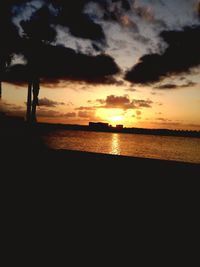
(115, 146)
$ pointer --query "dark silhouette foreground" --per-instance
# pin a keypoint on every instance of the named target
(25, 154)
(93, 196)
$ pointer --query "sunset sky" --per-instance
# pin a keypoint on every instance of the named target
(130, 62)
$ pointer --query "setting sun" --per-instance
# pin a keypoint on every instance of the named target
(117, 118)
(111, 115)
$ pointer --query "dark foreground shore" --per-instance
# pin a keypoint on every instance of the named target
(25, 154)
(93, 197)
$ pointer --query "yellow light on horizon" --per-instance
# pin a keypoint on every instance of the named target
(111, 115)
(117, 119)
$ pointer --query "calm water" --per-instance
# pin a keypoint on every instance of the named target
(146, 146)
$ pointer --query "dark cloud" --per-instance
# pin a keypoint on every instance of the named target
(37, 43)
(52, 12)
(39, 18)
(116, 102)
(50, 113)
(71, 14)
(124, 102)
(52, 83)
(143, 11)
(45, 102)
(60, 63)
(70, 114)
(188, 84)
(11, 109)
(146, 13)
(85, 108)
(131, 90)
(8, 33)
(181, 54)
(44, 59)
(125, 4)
(113, 10)
(140, 103)
(163, 119)
(85, 114)
(167, 86)
(170, 86)
(38, 26)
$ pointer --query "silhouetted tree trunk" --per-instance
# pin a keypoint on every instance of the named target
(32, 100)
(29, 102)
(36, 89)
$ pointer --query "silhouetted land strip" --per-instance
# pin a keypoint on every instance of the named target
(96, 128)
(164, 132)
(25, 155)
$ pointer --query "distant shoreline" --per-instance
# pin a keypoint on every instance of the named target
(158, 132)
(99, 127)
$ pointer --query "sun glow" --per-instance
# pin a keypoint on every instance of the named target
(117, 119)
(111, 115)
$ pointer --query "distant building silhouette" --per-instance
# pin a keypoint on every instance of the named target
(98, 125)
(119, 126)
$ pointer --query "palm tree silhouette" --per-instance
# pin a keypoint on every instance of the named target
(37, 33)
(33, 79)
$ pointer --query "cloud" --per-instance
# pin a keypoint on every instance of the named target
(50, 113)
(145, 12)
(163, 119)
(11, 109)
(124, 102)
(38, 20)
(131, 90)
(85, 114)
(167, 86)
(107, 10)
(60, 63)
(38, 27)
(49, 103)
(114, 102)
(70, 114)
(4, 105)
(170, 86)
(180, 56)
(37, 14)
(85, 108)
(71, 15)
(35, 40)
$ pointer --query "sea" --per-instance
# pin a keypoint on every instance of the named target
(184, 149)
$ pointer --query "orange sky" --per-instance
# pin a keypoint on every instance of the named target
(136, 106)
